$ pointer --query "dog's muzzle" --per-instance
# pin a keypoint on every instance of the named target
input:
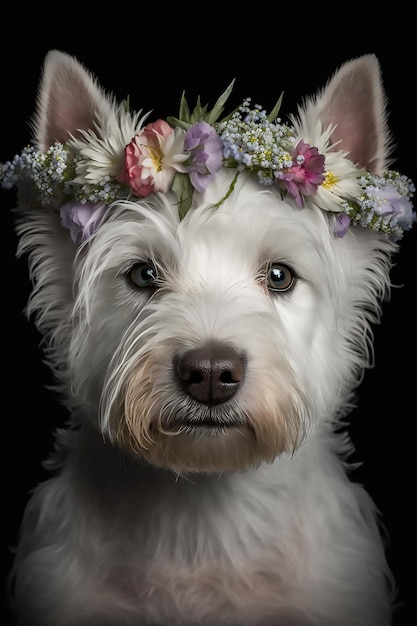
(209, 418)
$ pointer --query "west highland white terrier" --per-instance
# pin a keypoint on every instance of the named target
(206, 287)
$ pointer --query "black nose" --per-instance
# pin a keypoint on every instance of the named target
(212, 374)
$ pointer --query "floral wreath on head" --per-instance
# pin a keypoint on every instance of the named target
(125, 159)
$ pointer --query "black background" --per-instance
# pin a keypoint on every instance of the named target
(153, 57)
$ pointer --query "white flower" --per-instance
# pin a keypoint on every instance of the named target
(100, 152)
(340, 184)
(342, 176)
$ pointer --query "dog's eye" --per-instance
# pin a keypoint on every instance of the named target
(280, 277)
(142, 275)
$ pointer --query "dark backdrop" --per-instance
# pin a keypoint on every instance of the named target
(153, 58)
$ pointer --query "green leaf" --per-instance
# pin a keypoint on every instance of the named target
(218, 108)
(229, 191)
(183, 189)
(199, 114)
(274, 113)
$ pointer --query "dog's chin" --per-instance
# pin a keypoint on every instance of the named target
(203, 448)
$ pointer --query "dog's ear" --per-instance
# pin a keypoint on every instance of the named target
(69, 100)
(354, 103)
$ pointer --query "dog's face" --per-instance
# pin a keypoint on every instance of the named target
(220, 339)
(215, 342)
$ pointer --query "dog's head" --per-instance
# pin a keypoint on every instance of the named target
(206, 285)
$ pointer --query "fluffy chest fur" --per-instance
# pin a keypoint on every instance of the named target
(245, 548)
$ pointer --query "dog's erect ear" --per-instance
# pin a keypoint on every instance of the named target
(69, 99)
(354, 102)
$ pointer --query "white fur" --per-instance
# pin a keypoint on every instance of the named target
(255, 525)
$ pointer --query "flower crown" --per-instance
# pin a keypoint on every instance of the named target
(125, 159)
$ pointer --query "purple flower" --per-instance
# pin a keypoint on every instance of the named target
(206, 154)
(341, 223)
(82, 218)
(387, 201)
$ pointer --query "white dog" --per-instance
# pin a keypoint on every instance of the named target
(206, 287)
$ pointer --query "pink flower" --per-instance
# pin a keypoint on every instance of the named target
(206, 154)
(152, 158)
(303, 178)
(82, 218)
